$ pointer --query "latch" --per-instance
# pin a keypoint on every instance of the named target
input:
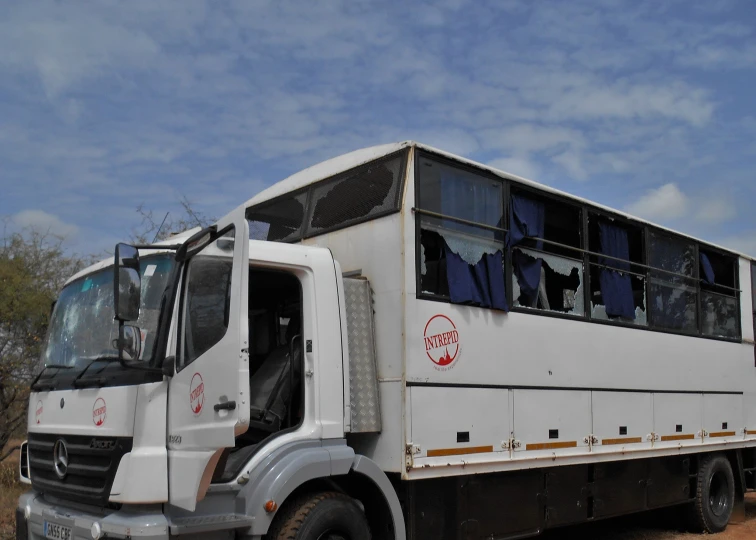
(652, 437)
(702, 434)
(590, 440)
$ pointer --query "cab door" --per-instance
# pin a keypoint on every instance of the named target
(207, 399)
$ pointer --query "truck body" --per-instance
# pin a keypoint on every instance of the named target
(442, 349)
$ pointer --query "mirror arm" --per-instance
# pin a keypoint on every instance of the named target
(171, 247)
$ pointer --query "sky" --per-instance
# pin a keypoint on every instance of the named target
(644, 106)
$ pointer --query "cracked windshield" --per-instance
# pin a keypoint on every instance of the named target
(82, 327)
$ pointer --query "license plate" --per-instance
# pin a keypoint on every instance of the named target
(57, 532)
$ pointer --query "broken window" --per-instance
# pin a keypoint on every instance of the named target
(547, 263)
(719, 303)
(367, 191)
(279, 220)
(618, 278)
(672, 278)
(461, 235)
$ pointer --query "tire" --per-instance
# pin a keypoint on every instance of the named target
(320, 516)
(715, 495)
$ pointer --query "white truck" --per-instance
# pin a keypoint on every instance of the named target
(395, 343)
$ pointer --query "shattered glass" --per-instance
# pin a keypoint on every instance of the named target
(673, 307)
(598, 310)
(561, 288)
(82, 325)
(719, 315)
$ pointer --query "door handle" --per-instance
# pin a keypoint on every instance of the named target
(225, 406)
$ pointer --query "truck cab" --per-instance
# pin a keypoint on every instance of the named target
(223, 367)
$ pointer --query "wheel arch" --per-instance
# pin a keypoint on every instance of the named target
(298, 469)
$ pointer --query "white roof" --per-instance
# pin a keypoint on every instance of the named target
(342, 163)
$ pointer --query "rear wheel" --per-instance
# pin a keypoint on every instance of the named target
(321, 516)
(715, 494)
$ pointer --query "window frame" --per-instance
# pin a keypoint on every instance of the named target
(580, 252)
(402, 154)
(584, 251)
(418, 212)
(182, 317)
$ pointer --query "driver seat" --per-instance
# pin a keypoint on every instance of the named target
(271, 385)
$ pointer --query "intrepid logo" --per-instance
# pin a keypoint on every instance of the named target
(197, 394)
(38, 412)
(99, 412)
(441, 342)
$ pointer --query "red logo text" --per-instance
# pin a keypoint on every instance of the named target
(99, 412)
(441, 340)
(197, 394)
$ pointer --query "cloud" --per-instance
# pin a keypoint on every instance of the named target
(44, 223)
(661, 204)
(105, 107)
(517, 165)
(744, 242)
(715, 210)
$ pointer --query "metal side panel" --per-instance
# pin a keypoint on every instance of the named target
(363, 376)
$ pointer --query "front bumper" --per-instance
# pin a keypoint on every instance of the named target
(143, 521)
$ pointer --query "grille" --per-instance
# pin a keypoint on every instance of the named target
(92, 465)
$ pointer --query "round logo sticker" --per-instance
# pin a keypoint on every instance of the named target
(441, 342)
(99, 411)
(38, 412)
(196, 394)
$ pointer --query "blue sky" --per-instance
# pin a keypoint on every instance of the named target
(646, 106)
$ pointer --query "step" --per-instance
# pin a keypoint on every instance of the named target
(200, 524)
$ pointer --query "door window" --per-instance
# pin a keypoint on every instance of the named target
(207, 299)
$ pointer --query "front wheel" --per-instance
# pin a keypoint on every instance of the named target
(715, 495)
(321, 516)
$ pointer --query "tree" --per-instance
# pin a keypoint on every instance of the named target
(33, 268)
(153, 228)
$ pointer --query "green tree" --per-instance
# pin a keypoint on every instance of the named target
(33, 268)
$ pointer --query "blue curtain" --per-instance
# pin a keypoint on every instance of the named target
(708, 271)
(481, 284)
(616, 288)
(467, 199)
(526, 218)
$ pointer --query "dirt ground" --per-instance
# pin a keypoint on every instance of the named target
(662, 525)
(10, 489)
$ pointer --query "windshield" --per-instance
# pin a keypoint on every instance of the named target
(82, 326)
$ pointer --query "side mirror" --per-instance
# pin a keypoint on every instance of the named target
(129, 343)
(127, 283)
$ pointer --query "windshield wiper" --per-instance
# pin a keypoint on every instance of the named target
(49, 386)
(99, 381)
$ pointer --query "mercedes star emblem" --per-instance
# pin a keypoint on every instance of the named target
(60, 458)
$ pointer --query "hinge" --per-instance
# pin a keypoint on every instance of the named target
(409, 451)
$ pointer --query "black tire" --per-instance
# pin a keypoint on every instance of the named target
(320, 516)
(715, 495)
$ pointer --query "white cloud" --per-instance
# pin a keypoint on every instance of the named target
(661, 204)
(715, 210)
(573, 164)
(743, 242)
(44, 223)
(517, 165)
